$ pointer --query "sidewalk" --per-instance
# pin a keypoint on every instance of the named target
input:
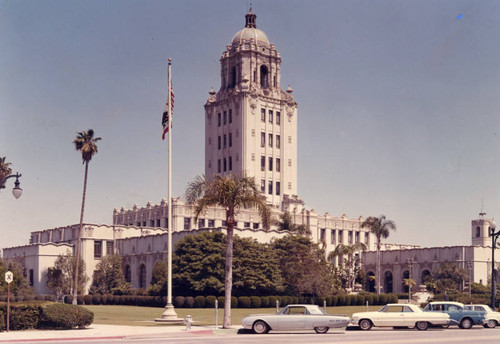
(99, 331)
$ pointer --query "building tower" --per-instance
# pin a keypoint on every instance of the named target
(251, 123)
(480, 230)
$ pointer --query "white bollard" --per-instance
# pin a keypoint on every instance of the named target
(188, 320)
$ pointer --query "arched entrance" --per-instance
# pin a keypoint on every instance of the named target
(127, 273)
(406, 276)
(426, 276)
(388, 282)
(142, 276)
(370, 282)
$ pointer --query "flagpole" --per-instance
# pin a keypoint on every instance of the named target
(169, 314)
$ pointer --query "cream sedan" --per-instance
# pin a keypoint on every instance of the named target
(399, 315)
(492, 318)
(293, 318)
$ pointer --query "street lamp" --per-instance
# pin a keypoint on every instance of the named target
(16, 191)
(469, 270)
(410, 263)
(494, 236)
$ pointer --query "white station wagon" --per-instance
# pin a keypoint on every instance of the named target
(492, 318)
(293, 318)
(399, 315)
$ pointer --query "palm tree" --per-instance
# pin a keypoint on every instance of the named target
(349, 251)
(379, 226)
(5, 170)
(286, 223)
(230, 192)
(85, 142)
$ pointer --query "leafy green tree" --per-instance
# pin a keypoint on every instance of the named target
(5, 170)
(85, 143)
(18, 283)
(381, 227)
(199, 262)
(350, 261)
(449, 277)
(230, 192)
(61, 275)
(285, 223)
(108, 277)
(304, 267)
(159, 281)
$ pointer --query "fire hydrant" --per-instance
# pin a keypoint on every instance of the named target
(188, 320)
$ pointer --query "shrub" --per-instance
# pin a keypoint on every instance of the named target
(295, 300)
(64, 316)
(104, 299)
(360, 300)
(189, 302)
(39, 298)
(393, 298)
(79, 299)
(199, 301)
(303, 299)
(179, 301)
(382, 299)
(210, 301)
(369, 298)
(272, 301)
(96, 299)
(376, 300)
(335, 300)
(49, 298)
(320, 301)
(255, 301)
(2, 322)
(341, 301)
(329, 301)
(285, 300)
(22, 316)
(264, 301)
(244, 302)
(87, 299)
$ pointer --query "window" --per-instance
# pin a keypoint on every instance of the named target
(478, 232)
(225, 141)
(230, 163)
(278, 118)
(262, 139)
(270, 187)
(218, 166)
(356, 237)
(218, 142)
(278, 187)
(270, 140)
(224, 223)
(349, 237)
(333, 237)
(262, 185)
(367, 239)
(142, 276)
(230, 116)
(97, 249)
(218, 119)
(225, 117)
(211, 223)
(230, 139)
(128, 274)
(322, 234)
(201, 223)
(264, 77)
(262, 163)
(270, 116)
(341, 237)
(263, 115)
(158, 223)
(278, 141)
(270, 164)
(225, 165)
(247, 224)
(289, 139)
(31, 277)
(109, 247)
(187, 223)
(278, 165)
(256, 225)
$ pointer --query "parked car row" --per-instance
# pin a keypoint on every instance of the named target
(312, 317)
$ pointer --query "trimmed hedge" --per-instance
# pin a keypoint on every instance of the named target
(199, 302)
(2, 321)
(63, 316)
(22, 316)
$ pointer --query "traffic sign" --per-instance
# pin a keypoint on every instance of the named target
(9, 277)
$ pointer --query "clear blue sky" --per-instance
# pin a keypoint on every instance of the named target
(398, 106)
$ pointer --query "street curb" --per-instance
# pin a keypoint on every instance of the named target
(59, 339)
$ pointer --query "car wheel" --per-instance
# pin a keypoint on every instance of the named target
(422, 325)
(365, 324)
(490, 324)
(445, 326)
(260, 327)
(321, 329)
(466, 323)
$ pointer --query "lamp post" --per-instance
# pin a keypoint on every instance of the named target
(16, 191)
(469, 270)
(410, 262)
(494, 236)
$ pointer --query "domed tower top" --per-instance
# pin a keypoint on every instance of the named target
(250, 32)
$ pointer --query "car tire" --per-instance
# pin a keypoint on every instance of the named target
(466, 323)
(365, 324)
(321, 329)
(260, 327)
(490, 324)
(422, 325)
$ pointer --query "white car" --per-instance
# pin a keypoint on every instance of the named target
(492, 318)
(399, 315)
(293, 318)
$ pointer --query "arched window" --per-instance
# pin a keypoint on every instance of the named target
(128, 275)
(478, 232)
(371, 282)
(426, 276)
(232, 83)
(264, 82)
(142, 276)
(388, 282)
(406, 276)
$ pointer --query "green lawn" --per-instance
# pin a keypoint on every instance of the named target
(144, 316)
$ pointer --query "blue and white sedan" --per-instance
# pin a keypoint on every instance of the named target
(295, 318)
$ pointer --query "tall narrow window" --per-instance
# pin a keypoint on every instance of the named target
(233, 77)
(270, 142)
(230, 116)
(278, 118)
(230, 163)
(97, 249)
(187, 223)
(225, 141)
(218, 166)
(109, 245)
(218, 119)
(278, 165)
(218, 142)
(270, 116)
(225, 117)
(230, 140)
(278, 188)
(270, 163)
(262, 163)
(262, 139)
(264, 83)
(225, 165)
(270, 187)
(262, 185)
(333, 237)
(278, 141)
(263, 115)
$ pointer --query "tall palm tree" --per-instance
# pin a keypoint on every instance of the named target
(379, 226)
(85, 142)
(349, 251)
(230, 192)
(5, 170)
